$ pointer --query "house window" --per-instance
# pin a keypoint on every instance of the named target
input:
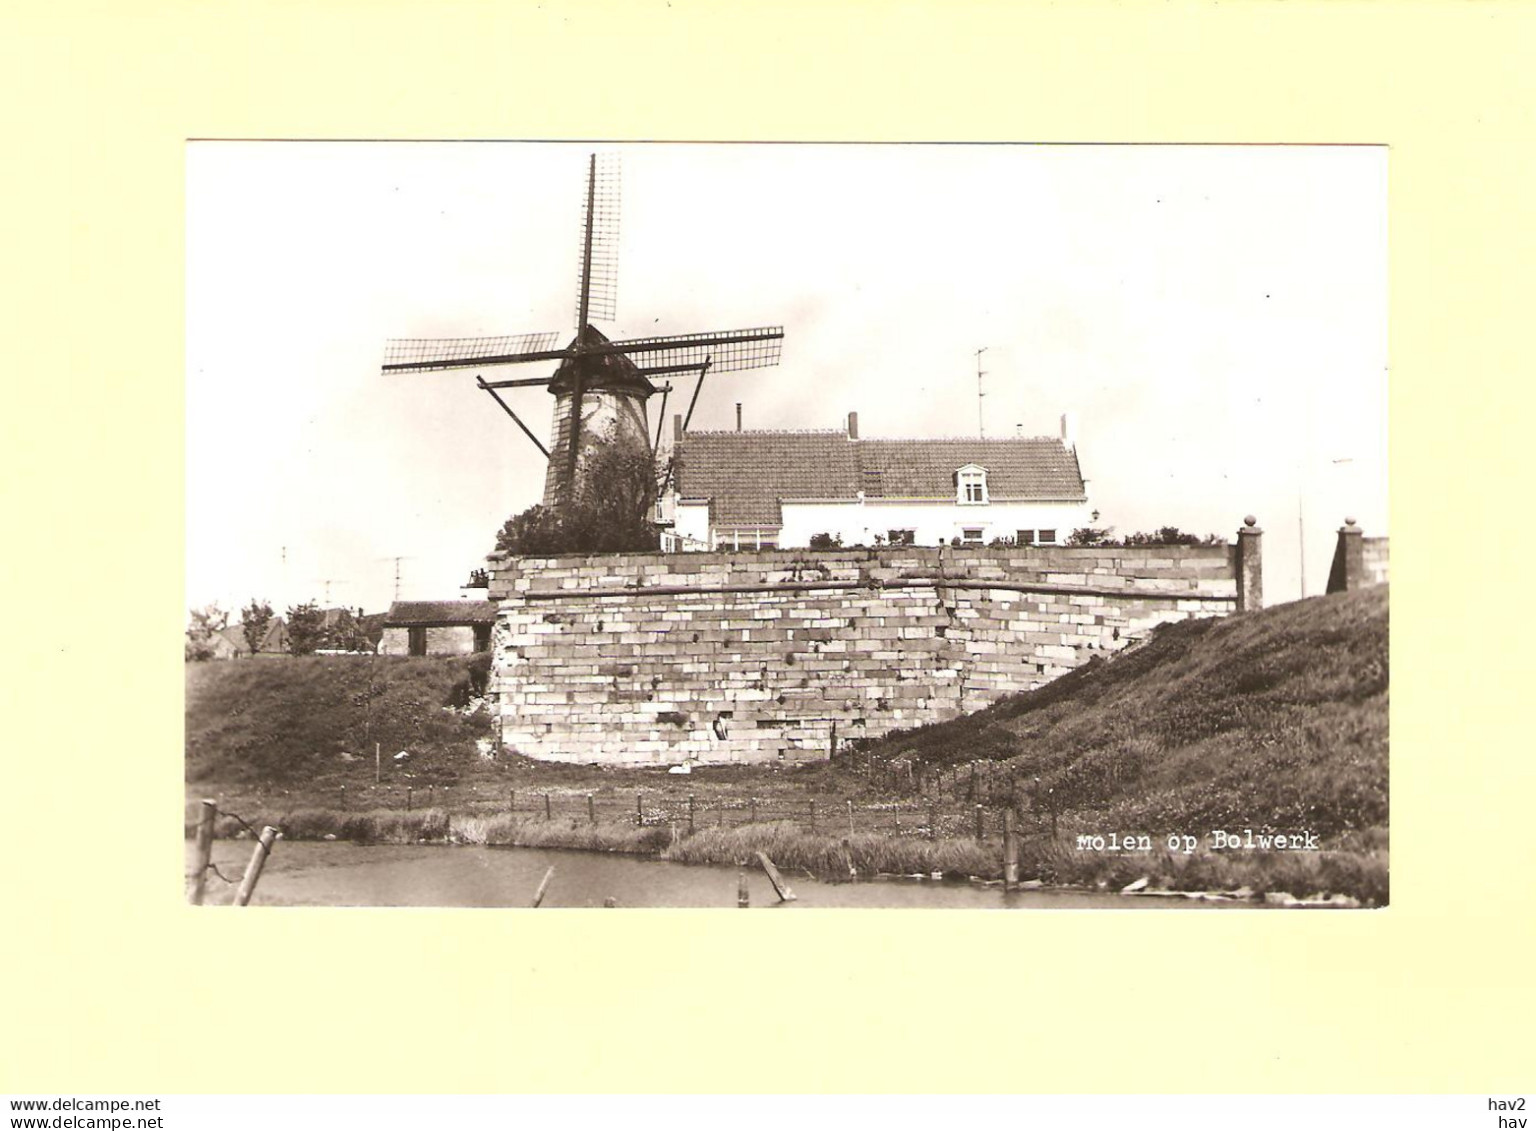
(748, 540)
(1047, 537)
(902, 537)
(482, 638)
(971, 485)
(1025, 538)
(971, 535)
(418, 641)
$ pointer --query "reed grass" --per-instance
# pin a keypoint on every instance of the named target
(827, 856)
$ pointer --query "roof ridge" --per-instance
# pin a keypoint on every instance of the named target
(765, 432)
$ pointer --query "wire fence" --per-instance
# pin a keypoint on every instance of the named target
(957, 811)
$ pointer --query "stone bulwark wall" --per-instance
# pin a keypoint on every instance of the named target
(776, 655)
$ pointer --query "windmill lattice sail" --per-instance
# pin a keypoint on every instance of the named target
(597, 283)
(725, 350)
(418, 355)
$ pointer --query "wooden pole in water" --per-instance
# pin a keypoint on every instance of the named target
(1010, 852)
(204, 855)
(538, 896)
(743, 899)
(253, 869)
(779, 886)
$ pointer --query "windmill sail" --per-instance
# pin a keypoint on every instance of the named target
(417, 355)
(725, 350)
(597, 283)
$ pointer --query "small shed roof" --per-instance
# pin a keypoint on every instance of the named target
(439, 614)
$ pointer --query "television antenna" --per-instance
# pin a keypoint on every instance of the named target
(981, 423)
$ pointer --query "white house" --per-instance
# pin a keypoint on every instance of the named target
(750, 490)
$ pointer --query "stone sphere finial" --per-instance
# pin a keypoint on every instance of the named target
(1349, 521)
(1250, 520)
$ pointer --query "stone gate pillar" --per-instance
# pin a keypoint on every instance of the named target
(1249, 563)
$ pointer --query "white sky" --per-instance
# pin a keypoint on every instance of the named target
(1216, 316)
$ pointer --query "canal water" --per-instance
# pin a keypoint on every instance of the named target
(339, 874)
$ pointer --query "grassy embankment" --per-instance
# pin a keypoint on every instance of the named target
(1271, 722)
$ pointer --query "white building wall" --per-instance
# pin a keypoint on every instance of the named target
(934, 522)
(691, 522)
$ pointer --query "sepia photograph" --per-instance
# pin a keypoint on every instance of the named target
(786, 526)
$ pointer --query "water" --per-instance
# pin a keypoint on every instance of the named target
(338, 874)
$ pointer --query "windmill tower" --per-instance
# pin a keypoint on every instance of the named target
(601, 386)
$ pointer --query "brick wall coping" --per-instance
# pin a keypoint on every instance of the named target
(1132, 592)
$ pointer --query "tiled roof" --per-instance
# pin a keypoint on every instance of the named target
(746, 475)
(1031, 467)
(420, 613)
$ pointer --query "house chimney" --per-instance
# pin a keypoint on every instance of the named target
(738, 416)
(853, 426)
(677, 426)
(1018, 431)
(1069, 429)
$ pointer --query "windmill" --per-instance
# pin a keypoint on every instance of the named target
(600, 386)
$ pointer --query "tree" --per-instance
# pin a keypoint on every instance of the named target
(306, 628)
(826, 541)
(202, 626)
(255, 619)
(610, 511)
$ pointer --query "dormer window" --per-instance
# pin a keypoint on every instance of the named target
(971, 485)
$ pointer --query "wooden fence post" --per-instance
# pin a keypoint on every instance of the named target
(512, 801)
(813, 814)
(639, 810)
(933, 820)
(408, 791)
(753, 803)
(690, 814)
(547, 814)
(979, 828)
(204, 855)
(253, 869)
(973, 781)
(850, 816)
(591, 810)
